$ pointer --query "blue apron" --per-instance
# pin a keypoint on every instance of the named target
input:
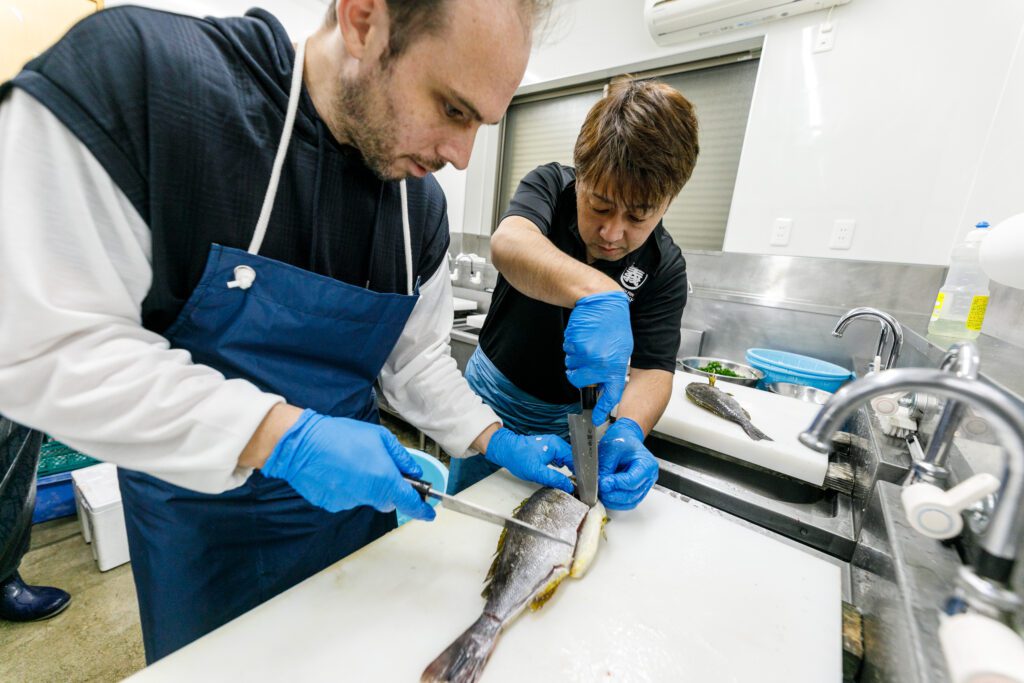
(200, 560)
(518, 410)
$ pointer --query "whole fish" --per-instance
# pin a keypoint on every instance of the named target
(713, 399)
(526, 572)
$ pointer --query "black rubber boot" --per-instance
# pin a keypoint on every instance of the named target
(21, 602)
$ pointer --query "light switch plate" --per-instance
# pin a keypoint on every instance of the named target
(780, 232)
(842, 233)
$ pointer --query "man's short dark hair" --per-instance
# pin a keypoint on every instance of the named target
(638, 142)
(412, 19)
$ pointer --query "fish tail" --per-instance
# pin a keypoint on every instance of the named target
(753, 432)
(463, 661)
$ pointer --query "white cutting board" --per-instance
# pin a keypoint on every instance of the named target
(460, 304)
(677, 593)
(780, 417)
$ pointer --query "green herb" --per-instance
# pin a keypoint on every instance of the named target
(716, 368)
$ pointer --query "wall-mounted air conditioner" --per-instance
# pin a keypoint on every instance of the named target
(674, 21)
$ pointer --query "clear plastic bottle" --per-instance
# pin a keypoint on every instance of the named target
(960, 306)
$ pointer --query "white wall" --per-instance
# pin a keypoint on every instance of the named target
(890, 128)
(998, 184)
(453, 182)
(887, 129)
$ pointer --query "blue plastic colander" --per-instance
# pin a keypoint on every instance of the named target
(783, 366)
(433, 471)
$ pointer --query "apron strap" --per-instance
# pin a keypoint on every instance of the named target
(275, 177)
(282, 150)
(406, 237)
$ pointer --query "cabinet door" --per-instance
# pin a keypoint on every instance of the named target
(27, 27)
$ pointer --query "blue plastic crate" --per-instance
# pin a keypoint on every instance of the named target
(55, 497)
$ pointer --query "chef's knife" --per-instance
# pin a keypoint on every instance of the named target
(583, 436)
(457, 505)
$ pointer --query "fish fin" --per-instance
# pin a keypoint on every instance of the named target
(463, 661)
(494, 563)
(542, 598)
(755, 433)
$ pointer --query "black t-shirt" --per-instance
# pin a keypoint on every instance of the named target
(523, 337)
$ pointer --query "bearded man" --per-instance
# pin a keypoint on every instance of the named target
(212, 242)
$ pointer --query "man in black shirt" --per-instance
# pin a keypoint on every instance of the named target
(589, 273)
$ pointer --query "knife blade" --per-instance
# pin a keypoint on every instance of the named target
(583, 438)
(466, 508)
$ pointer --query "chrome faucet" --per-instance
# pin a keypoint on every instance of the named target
(983, 586)
(889, 325)
(962, 359)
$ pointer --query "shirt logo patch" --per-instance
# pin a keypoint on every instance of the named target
(632, 278)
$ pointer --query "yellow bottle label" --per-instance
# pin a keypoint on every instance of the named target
(977, 314)
(938, 305)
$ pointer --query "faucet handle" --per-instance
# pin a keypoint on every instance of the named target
(978, 648)
(936, 513)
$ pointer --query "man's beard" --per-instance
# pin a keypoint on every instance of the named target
(370, 124)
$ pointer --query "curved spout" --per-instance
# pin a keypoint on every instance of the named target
(889, 324)
(963, 360)
(1004, 533)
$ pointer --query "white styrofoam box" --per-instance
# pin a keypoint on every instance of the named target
(102, 515)
(78, 478)
(476, 321)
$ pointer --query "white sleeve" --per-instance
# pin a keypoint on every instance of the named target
(75, 361)
(422, 381)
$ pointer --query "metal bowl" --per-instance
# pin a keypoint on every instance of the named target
(750, 376)
(800, 391)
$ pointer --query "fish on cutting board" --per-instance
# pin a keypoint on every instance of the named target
(716, 401)
(525, 573)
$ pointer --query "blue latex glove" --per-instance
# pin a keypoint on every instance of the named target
(337, 464)
(626, 469)
(528, 457)
(598, 344)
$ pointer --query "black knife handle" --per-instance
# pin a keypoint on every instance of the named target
(588, 397)
(421, 485)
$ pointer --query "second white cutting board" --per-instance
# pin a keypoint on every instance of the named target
(676, 593)
(780, 417)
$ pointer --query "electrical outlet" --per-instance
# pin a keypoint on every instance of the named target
(842, 233)
(780, 232)
(826, 37)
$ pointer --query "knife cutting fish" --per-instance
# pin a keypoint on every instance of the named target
(466, 508)
(583, 438)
